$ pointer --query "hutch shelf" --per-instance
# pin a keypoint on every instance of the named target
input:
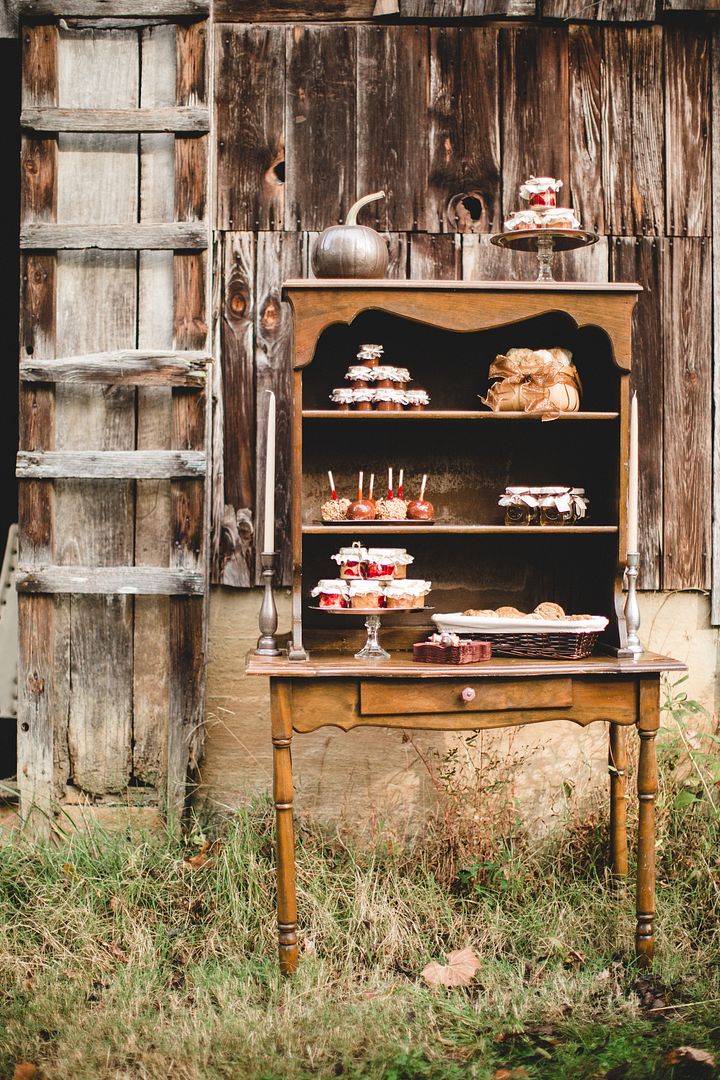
(448, 334)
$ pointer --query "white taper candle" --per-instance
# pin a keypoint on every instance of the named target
(633, 495)
(269, 523)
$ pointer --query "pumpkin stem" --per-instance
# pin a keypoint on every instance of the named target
(355, 209)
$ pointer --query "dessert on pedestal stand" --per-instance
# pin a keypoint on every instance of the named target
(543, 228)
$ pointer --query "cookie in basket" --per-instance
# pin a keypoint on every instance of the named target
(508, 612)
(485, 613)
(549, 611)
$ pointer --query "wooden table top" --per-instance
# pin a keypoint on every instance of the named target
(402, 666)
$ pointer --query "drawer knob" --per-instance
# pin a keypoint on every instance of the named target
(468, 694)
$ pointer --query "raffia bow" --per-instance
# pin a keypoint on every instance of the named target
(534, 377)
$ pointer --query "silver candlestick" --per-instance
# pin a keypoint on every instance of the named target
(632, 609)
(268, 618)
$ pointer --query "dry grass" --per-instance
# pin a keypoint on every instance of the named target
(119, 960)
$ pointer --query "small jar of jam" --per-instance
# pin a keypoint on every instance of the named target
(366, 594)
(417, 400)
(369, 355)
(387, 563)
(359, 375)
(555, 506)
(520, 505)
(333, 593)
(351, 561)
(363, 399)
(342, 398)
(389, 400)
(384, 376)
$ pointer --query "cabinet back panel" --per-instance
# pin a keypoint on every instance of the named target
(453, 367)
(469, 463)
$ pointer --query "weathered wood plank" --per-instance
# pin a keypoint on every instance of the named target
(534, 113)
(641, 260)
(38, 157)
(617, 130)
(392, 123)
(190, 499)
(464, 136)
(435, 257)
(687, 130)
(235, 558)
(151, 629)
(715, 146)
(648, 189)
(585, 104)
(87, 9)
(247, 11)
(687, 451)
(9, 19)
(614, 11)
(279, 256)
(97, 299)
(44, 622)
(109, 464)
(691, 5)
(320, 125)
(250, 108)
(151, 623)
(481, 260)
(142, 367)
(170, 119)
(174, 236)
(110, 580)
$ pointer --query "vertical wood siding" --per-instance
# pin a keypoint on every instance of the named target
(449, 120)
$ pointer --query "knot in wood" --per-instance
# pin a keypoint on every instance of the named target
(271, 315)
(35, 684)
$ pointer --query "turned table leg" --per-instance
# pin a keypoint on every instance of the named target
(281, 709)
(648, 722)
(617, 766)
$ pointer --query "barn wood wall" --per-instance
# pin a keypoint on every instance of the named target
(308, 116)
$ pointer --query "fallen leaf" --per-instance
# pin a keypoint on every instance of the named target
(509, 1074)
(459, 970)
(682, 1055)
(117, 953)
(196, 861)
(25, 1071)
(207, 850)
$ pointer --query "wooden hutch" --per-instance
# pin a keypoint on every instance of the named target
(447, 334)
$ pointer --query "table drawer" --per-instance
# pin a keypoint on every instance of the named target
(428, 695)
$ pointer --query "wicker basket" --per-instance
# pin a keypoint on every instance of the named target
(545, 645)
(467, 652)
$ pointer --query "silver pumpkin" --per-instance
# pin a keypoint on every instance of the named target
(351, 250)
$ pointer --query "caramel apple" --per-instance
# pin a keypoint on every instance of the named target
(420, 510)
(362, 510)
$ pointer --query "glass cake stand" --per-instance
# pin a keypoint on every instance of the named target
(374, 617)
(545, 242)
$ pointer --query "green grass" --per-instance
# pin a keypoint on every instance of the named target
(118, 960)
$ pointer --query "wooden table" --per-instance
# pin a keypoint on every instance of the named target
(337, 690)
